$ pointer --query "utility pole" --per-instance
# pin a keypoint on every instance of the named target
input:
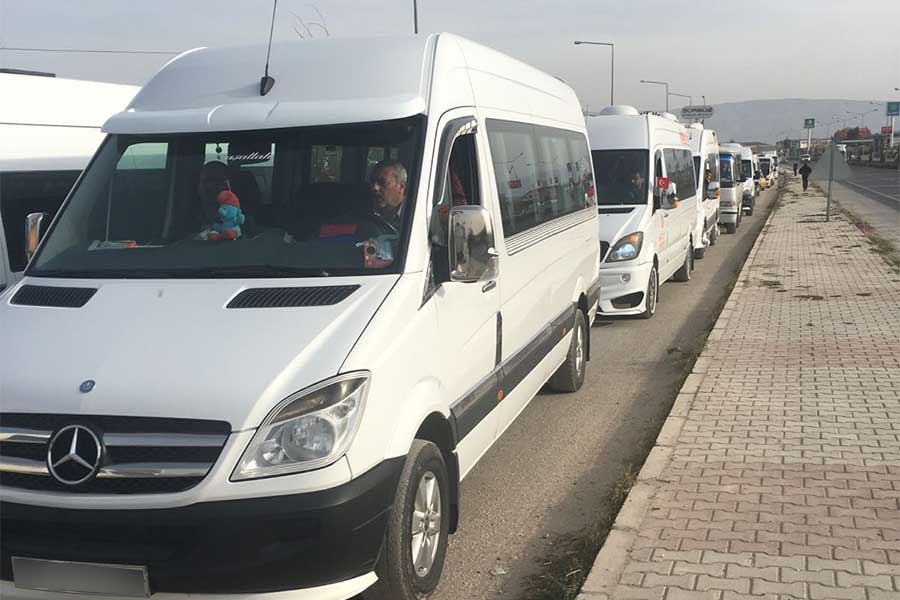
(415, 16)
(612, 67)
(665, 83)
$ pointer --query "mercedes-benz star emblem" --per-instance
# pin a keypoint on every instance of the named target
(86, 386)
(73, 455)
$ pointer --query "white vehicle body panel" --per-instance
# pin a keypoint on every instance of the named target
(160, 347)
(705, 145)
(667, 233)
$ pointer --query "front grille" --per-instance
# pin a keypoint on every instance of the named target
(141, 455)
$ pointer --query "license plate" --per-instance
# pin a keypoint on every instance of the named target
(80, 578)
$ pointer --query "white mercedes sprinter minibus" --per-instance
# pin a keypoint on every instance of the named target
(280, 317)
(731, 186)
(647, 200)
(705, 147)
(50, 129)
(749, 169)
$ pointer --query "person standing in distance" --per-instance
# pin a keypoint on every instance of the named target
(805, 171)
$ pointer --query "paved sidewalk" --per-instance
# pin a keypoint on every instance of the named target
(777, 474)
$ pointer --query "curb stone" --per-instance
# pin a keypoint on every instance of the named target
(616, 550)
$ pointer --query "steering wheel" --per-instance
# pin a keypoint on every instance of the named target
(383, 227)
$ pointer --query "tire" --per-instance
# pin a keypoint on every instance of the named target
(569, 377)
(730, 227)
(651, 295)
(683, 274)
(699, 253)
(398, 578)
(752, 206)
(714, 235)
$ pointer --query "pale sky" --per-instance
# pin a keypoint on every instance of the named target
(726, 50)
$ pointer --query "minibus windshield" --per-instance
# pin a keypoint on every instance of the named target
(764, 167)
(621, 176)
(308, 201)
(726, 171)
(747, 169)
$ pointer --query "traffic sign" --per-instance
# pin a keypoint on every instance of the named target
(696, 113)
(809, 124)
(887, 130)
(893, 109)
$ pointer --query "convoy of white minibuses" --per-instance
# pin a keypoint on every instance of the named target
(647, 199)
(286, 406)
(288, 312)
(50, 130)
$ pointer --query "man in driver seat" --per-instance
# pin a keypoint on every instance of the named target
(387, 188)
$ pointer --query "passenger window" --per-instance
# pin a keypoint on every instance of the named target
(22, 193)
(460, 188)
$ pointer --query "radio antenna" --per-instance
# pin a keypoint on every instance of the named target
(266, 83)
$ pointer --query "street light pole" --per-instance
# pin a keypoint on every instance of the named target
(415, 16)
(612, 66)
(665, 83)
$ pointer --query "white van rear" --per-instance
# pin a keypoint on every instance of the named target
(647, 200)
(284, 321)
(50, 130)
(705, 147)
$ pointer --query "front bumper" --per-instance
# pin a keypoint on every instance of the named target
(613, 288)
(296, 542)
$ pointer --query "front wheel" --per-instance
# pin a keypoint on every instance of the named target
(652, 294)
(569, 377)
(415, 543)
(730, 227)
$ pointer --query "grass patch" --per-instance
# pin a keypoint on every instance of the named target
(878, 244)
(564, 574)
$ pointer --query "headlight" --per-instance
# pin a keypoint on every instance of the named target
(308, 430)
(627, 248)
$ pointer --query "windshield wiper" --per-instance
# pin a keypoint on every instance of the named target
(262, 271)
(106, 273)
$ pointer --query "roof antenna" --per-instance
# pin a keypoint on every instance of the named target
(266, 83)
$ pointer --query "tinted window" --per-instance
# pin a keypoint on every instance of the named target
(29, 192)
(621, 176)
(542, 173)
(712, 163)
(680, 170)
(747, 169)
(697, 170)
(726, 171)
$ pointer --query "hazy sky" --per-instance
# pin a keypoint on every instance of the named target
(726, 50)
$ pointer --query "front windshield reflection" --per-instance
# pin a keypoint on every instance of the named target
(311, 201)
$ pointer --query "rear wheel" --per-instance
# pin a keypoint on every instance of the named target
(752, 206)
(569, 377)
(730, 227)
(714, 235)
(415, 544)
(683, 274)
(652, 294)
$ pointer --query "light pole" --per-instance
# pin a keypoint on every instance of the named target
(415, 16)
(612, 66)
(690, 98)
(665, 83)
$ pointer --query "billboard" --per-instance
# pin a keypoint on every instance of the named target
(893, 109)
(809, 124)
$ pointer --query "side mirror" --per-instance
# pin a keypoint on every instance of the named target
(34, 231)
(471, 241)
(660, 189)
(672, 196)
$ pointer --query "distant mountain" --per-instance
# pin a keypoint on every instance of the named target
(772, 120)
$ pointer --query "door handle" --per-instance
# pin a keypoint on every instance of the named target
(488, 286)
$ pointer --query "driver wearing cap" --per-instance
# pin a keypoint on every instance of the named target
(387, 188)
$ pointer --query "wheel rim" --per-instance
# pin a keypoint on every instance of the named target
(426, 524)
(651, 293)
(579, 350)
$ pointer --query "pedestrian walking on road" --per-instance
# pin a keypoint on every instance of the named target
(805, 170)
(795, 169)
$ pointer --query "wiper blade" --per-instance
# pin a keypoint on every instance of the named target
(264, 271)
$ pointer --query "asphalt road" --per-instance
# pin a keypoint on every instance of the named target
(882, 185)
(549, 473)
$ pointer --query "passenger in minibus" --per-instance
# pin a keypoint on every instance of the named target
(388, 192)
(636, 193)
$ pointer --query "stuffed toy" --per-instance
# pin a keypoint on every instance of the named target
(228, 225)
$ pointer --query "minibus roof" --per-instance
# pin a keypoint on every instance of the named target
(624, 132)
(52, 123)
(317, 82)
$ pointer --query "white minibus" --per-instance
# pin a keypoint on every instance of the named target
(748, 176)
(705, 147)
(50, 129)
(283, 314)
(731, 186)
(647, 200)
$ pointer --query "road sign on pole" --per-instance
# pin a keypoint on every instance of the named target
(809, 124)
(697, 113)
(893, 109)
